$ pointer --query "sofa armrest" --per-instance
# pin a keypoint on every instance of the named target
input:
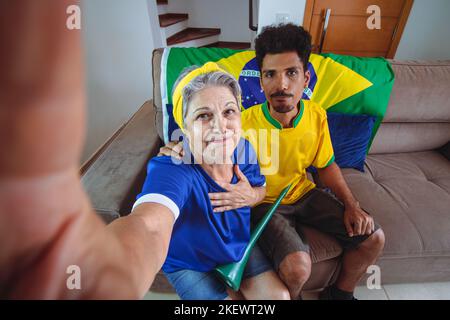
(114, 175)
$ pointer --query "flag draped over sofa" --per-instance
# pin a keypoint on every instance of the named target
(340, 84)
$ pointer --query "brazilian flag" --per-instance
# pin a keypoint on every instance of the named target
(342, 84)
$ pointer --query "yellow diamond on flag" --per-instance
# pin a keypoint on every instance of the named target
(235, 63)
(335, 82)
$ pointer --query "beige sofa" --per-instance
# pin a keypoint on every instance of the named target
(405, 186)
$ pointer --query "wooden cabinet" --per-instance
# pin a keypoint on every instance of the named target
(347, 31)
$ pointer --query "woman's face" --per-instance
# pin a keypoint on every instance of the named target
(213, 125)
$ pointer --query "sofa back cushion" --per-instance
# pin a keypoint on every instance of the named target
(418, 113)
(157, 101)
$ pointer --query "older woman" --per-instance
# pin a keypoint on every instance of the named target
(207, 233)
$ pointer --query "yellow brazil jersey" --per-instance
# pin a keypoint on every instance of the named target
(285, 153)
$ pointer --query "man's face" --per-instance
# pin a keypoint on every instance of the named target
(283, 80)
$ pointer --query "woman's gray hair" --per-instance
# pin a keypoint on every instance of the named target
(216, 78)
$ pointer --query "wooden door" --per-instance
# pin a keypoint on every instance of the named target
(347, 31)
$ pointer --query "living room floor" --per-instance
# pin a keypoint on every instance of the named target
(410, 291)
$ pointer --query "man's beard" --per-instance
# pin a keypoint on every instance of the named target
(285, 108)
(282, 107)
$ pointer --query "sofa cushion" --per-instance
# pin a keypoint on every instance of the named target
(420, 92)
(418, 114)
(410, 137)
(409, 196)
(116, 176)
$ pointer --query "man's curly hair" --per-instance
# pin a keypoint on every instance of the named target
(283, 38)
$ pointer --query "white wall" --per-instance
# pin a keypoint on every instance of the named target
(158, 40)
(118, 46)
(268, 10)
(231, 16)
(427, 32)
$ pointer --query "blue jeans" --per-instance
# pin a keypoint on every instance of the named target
(195, 285)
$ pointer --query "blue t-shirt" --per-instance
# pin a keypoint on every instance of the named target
(201, 239)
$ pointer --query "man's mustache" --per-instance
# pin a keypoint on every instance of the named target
(281, 94)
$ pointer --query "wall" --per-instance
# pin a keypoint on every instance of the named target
(118, 46)
(268, 10)
(152, 9)
(426, 35)
(231, 16)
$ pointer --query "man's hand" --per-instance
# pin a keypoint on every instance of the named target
(357, 221)
(172, 149)
(238, 195)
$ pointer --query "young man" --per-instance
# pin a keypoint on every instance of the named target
(282, 53)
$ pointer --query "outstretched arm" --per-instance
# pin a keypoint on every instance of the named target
(46, 221)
